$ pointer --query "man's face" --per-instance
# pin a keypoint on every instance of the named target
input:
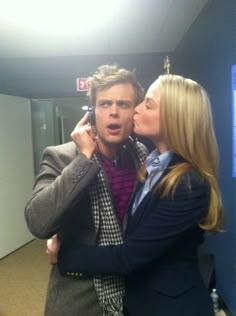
(114, 112)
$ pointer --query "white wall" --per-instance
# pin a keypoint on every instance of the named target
(16, 171)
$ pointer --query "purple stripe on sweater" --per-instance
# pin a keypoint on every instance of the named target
(122, 180)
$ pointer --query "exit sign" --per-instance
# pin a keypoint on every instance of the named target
(81, 84)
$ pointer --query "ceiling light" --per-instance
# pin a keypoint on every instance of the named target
(59, 18)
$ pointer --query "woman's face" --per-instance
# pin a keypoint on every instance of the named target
(147, 116)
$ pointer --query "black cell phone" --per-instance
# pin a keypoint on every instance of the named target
(92, 119)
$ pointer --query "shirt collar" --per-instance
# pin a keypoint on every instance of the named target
(156, 161)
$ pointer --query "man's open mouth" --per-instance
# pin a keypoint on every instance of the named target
(113, 126)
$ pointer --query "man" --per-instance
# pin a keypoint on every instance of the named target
(82, 192)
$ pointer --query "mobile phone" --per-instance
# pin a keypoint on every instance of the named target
(92, 119)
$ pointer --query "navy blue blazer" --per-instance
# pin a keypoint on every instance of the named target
(159, 255)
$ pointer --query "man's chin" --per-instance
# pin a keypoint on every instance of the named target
(114, 140)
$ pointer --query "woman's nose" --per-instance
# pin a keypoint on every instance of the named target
(137, 108)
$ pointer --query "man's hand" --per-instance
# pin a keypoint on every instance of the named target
(84, 137)
(53, 246)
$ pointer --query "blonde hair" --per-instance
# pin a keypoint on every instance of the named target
(187, 127)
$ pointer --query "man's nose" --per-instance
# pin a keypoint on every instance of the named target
(114, 109)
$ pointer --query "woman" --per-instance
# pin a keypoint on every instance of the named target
(179, 200)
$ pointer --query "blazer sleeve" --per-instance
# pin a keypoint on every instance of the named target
(62, 179)
(156, 233)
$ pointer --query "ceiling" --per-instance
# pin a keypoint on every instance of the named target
(137, 26)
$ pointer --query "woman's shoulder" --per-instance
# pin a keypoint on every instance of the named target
(188, 172)
(192, 179)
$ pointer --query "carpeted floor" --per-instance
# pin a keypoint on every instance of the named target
(23, 281)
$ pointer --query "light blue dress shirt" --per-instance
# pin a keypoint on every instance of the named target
(155, 164)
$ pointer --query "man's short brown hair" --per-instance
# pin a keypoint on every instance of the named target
(107, 76)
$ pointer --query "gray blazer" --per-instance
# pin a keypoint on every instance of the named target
(60, 204)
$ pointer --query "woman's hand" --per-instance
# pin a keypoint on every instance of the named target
(52, 247)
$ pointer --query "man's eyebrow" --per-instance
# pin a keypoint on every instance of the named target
(102, 100)
(124, 100)
(119, 100)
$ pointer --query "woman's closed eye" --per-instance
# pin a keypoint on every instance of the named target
(147, 105)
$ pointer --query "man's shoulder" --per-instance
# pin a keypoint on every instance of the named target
(70, 146)
(67, 150)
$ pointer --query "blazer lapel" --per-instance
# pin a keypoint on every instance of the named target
(128, 215)
(133, 220)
